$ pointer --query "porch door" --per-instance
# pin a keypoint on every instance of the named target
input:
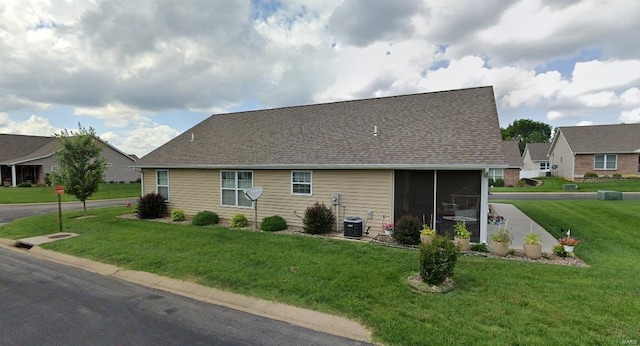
(413, 194)
(459, 198)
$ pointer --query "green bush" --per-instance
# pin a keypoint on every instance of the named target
(591, 175)
(479, 247)
(407, 230)
(178, 215)
(204, 218)
(151, 206)
(25, 184)
(318, 219)
(437, 260)
(617, 175)
(239, 220)
(273, 223)
(499, 182)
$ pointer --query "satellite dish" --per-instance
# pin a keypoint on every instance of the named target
(554, 167)
(253, 193)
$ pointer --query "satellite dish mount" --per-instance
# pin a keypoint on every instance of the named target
(253, 194)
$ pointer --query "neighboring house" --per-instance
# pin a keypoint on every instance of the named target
(511, 174)
(426, 155)
(535, 162)
(30, 158)
(601, 149)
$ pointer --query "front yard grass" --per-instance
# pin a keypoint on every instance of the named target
(553, 184)
(46, 194)
(495, 301)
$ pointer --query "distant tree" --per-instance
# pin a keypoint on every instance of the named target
(81, 167)
(527, 131)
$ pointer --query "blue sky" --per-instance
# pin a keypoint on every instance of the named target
(141, 72)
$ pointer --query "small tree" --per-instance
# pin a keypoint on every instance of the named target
(81, 165)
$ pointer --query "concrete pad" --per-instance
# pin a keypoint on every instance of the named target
(520, 224)
(43, 239)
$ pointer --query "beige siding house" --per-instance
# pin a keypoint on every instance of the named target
(427, 155)
(602, 149)
(30, 158)
(535, 162)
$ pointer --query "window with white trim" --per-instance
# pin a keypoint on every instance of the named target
(54, 168)
(496, 173)
(162, 183)
(301, 183)
(605, 161)
(544, 166)
(232, 186)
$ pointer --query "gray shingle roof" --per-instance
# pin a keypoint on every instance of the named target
(619, 138)
(512, 153)
(538, 151)
(13, 147)
(456, 128)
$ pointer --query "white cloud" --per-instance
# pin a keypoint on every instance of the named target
(114, 115)
(630, 116)
(142, 140)
(554, 115)
(585, 123)
(595, 76)
(35, 126)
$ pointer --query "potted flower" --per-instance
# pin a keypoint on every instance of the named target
(426, 234)
(500, 241)
(387, 227)
(532, 246)
(462, 236)
(568, 243)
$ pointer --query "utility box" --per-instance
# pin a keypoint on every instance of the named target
(570, 187)
(609, 195)
(353, 227)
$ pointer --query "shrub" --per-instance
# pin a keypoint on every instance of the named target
(273, 223)
(239, 220)
(39, 185)
(407, 230)
(318, 219)
(178, 215)
(25, 184)
(591, 175)
(47, 179)
(151, 206)
(437, 260)
(204, 218)
(499, 182)
(617, 175)
(479, 247)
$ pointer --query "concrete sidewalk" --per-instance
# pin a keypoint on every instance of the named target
(298, 316)
(520, 224)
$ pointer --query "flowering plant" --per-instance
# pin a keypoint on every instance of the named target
(387, 226)
(569, 241)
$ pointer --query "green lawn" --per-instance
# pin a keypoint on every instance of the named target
(495, 301)
(556, 185)
(46, 194)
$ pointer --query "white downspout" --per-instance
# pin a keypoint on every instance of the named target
(435, 199)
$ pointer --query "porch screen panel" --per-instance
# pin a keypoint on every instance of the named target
(413, 195)
(458, 198)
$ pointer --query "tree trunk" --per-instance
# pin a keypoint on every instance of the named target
(84, 205)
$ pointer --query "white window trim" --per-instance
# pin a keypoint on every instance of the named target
(302, 183)
(236, 189)
(54, 168)
(167, 186)
(606, 156)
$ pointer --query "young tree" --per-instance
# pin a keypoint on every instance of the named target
(81, 167)
(527, 131)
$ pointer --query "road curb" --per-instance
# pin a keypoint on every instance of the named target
(306, 318)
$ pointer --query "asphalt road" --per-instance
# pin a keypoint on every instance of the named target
(10, 212)
(45, 303)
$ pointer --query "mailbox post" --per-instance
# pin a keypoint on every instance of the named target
(59, 190)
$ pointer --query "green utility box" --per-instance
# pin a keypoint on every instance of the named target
(570, 187)
(609, 195)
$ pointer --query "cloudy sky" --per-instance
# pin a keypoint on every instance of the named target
(141, 72)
